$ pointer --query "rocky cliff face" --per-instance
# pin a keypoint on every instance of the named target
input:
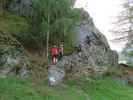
(92, 52)
(13, 60)
(95, 50)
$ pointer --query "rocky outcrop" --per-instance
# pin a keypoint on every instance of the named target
(126, 75)
(13, 60)
(92, 51)
(55, 75)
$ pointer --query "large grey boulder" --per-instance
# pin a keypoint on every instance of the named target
(92, 51)
(13, 59)
(55, 75)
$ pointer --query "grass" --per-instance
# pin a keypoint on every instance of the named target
(106, 88)
(10, 23)
(86, 89)
(16, 89)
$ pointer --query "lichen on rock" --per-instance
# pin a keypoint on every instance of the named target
(13, 60)
(92, 51)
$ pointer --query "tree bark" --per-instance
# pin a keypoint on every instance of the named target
(48, 38)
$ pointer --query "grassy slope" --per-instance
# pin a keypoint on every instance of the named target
(15, 89)
(108, 89)
(10, 23)
(101, 89)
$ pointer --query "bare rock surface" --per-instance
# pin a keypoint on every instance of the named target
(13, 59)
(92, 51)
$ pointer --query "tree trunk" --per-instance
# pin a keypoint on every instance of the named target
(48, 38)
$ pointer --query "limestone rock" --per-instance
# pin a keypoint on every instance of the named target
(55, 75)
(13, 60)
(92, 51)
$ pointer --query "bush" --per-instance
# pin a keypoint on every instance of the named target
(10, 23)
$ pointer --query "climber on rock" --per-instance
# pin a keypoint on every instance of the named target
(61, 51)
(79, 49)
(88, 40)
(54, 54)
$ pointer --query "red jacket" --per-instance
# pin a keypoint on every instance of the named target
(54, 51)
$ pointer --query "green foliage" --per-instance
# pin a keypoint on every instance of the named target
(30, 40)
(109, 89)
(103, 88)
(56, 18)
(91, 89)
(128, 54)
(24, 90)
(69, 43)
(10, 23)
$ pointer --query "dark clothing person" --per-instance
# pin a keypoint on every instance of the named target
(79, 48)
(61, 52)
(88, 40)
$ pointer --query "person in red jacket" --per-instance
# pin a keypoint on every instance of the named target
(54, 54)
